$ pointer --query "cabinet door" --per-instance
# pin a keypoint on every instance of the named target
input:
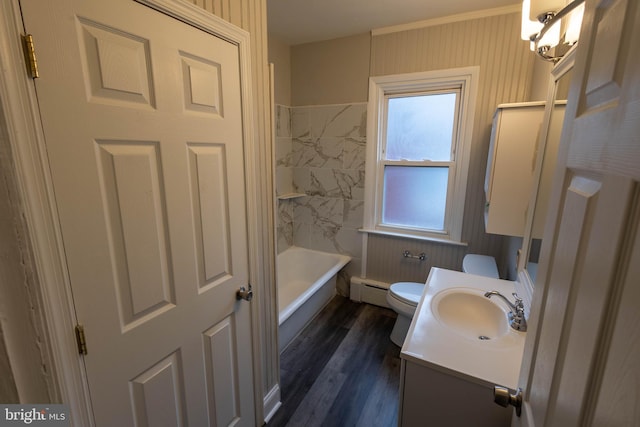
(426, 400)
(511, 167)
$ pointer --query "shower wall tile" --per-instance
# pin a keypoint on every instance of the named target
(285, 212)
(349, 241)
(324, 182)
(300, 122)
(283, 151)
(285, 224)
(301, 235)
(319, 210)
(326, 152)
(351, 183)
(285, 237)
(283, 121)
(301, 179)
(354, 153)
(333, 120)
(341, 183)
(353, 213)
(284, 177)
(284, 180)
(326, 161)
(322, 237)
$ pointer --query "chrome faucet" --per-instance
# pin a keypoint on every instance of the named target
(516, 316)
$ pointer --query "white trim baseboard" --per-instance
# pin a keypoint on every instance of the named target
(272, 403)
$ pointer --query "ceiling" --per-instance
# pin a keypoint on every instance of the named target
(303, 21)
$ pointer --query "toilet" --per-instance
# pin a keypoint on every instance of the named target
(482, 265)
(403, 297)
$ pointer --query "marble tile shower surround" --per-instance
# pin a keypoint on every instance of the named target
(320, 152)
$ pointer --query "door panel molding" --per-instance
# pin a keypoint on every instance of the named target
(589, 381)
(610, 392)
(67, 376)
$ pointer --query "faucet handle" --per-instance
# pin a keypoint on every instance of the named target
(518, 320)
(519, 302)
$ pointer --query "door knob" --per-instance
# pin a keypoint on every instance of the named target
(244, 293)
(504, 398)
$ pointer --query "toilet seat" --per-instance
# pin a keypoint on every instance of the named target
(407, 292)
(403, 298)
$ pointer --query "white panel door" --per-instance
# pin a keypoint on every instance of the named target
(582, 357)
(142, 121)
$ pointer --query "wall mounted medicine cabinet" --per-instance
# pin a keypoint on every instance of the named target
(511, 166)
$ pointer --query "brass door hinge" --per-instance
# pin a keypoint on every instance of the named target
(81, 340)
(30, 56)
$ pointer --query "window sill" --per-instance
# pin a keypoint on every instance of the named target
(442, 240)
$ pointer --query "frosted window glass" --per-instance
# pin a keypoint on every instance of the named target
(415, 196)
(420, 127)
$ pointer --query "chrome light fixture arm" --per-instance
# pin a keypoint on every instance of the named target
(549, 19)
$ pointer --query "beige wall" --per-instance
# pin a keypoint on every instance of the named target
(280, 57)
(540, 82)
(334, 72)
(506, 70)
(330, 72)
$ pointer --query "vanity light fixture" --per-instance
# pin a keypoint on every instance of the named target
(557, 26)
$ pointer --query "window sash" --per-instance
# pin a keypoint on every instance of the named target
(380, 89)
(457, 90)
(446, 230)
(382, 162)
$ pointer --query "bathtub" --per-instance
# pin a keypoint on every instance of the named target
(306, 281)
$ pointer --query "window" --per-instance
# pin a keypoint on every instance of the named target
(419, 133)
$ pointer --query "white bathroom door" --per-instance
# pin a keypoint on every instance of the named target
(582, 356)
(142, 119)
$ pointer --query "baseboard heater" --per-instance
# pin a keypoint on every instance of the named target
(369, 291)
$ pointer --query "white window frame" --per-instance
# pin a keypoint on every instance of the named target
(380, 89)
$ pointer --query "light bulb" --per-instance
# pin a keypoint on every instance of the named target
(552, 37)
(528, 27)
(540, 7)
(575, 22)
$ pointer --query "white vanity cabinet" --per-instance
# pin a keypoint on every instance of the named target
(511, 166)
(449, 365)
(430, 397)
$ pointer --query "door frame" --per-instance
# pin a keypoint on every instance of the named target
(27, 144)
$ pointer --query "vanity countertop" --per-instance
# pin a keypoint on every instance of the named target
(434, 345)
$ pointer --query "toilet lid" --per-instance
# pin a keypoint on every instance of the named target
(482, 265)
(407, 292)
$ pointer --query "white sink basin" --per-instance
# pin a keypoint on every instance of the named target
(467, 312)
(451, 316)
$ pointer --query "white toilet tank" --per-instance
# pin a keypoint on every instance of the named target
(482, 265)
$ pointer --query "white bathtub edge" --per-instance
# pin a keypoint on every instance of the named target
(288, 311)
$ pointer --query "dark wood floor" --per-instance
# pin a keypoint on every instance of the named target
(342, 370)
